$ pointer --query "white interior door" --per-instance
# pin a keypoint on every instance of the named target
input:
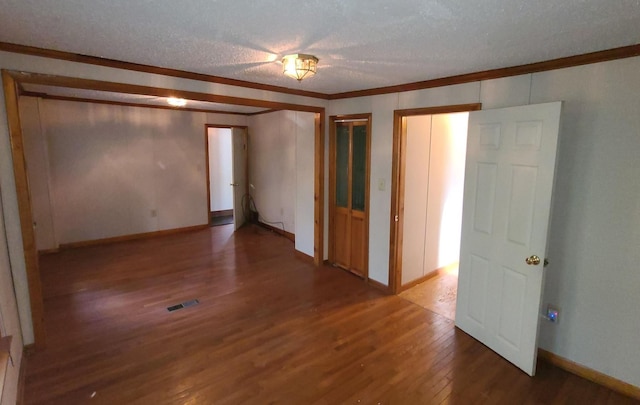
(511, 155)
(239, 184)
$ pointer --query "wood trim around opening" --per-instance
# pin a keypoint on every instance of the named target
(10, 86)
(318, 189)
(78, 83)
(397, 183)
(559, 63)
(94, 60)
(623, 52)
(11, 81)
(590, 374)
(128, 104)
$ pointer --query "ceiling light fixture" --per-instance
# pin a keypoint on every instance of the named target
(299, 66)
(177, 102)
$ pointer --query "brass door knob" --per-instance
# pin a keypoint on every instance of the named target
(532, 260)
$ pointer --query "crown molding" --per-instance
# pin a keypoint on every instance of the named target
(559, 63)
(93, 60)
(128, 104)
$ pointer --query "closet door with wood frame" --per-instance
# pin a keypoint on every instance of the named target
(349, 193)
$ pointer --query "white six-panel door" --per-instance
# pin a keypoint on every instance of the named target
(509, 173)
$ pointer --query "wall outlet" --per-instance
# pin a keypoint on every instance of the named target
(553, 314)
(154, 213)
(381, 185)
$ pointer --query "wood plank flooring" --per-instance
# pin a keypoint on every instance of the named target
(269, 329)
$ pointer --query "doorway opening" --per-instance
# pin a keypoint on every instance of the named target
(428, 189)
(227, 185)
(220, 176)
(31, 303)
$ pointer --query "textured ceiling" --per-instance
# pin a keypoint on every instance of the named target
(361, 44)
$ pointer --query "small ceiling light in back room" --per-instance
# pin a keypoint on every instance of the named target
(177, 102)
(299, 66)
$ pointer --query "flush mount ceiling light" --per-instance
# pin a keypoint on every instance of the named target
(299, 66)
(176, 102)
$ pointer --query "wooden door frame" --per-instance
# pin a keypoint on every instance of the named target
(11, 95)
(12, 81)
(397, 182)
(206, 151)
(332, 181)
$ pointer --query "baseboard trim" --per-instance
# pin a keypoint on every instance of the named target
(26, 352)
(379, 286)
(426, 277)
(418, 281)
(221, 213)
(135, 236)
(304, 257)
(48, 251)
(590, 374)
(279, 231)
(29, 349)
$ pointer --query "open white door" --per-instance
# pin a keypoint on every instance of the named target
(511, 156)
(239, 184)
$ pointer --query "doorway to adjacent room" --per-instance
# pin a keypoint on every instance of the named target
(227, 184)
(432, 184)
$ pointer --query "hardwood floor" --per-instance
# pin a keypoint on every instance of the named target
(269, 328)
(437, 294)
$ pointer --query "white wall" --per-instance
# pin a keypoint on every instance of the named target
(446, 187)
(37, 157)
(593, 274)
(98, 171)
(305, 181)
(416, 186)
(34, 64)
(434, 182)
(9, 321)
(281, 169)
(272, 165)
(220, 169)
(119, 170)
(594, 232)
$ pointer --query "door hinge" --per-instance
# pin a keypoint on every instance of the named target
(396, 218)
